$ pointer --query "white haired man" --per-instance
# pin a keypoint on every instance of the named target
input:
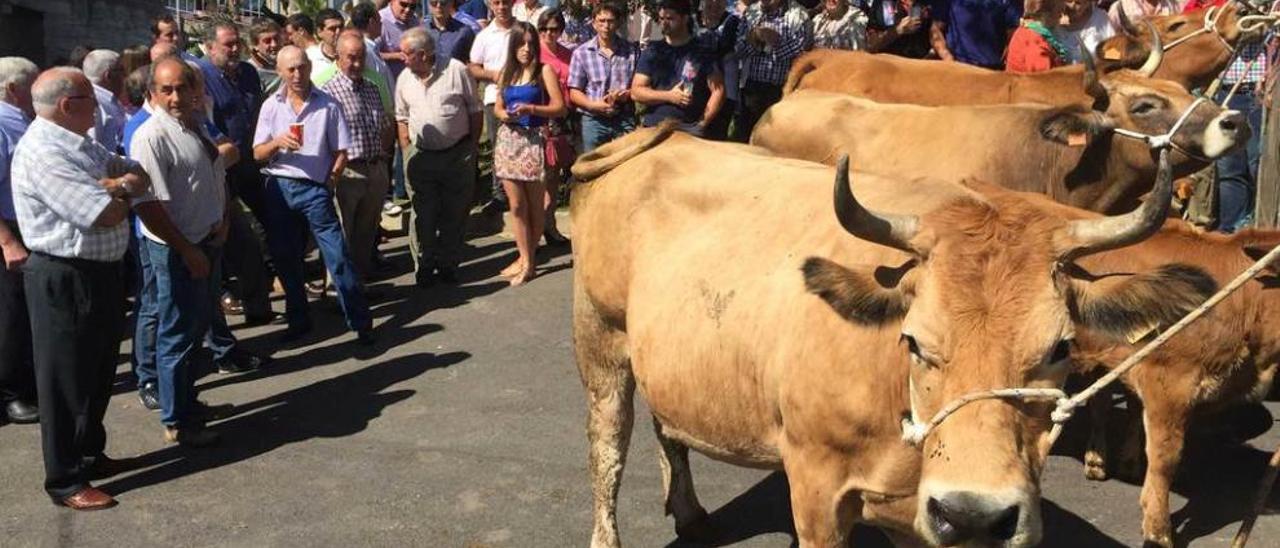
(102, 67)
(71, 198)
(17, 372)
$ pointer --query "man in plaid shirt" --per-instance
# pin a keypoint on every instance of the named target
(70, 195)
(600, 75)
(365, 179)
(769, 39)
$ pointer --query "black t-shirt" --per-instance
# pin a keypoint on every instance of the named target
(667, 66)
(883, 15)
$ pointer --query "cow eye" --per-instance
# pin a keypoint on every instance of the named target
(912, 346)
(1176, 25)
(1061, 351)
(1143, 108)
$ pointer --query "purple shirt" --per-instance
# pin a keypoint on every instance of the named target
(392, 30)
(324, 134)
(597, 75)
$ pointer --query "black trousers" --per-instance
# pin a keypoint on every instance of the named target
(17, 371)
(756, 98)
(77, 318)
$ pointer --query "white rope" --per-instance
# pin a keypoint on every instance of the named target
(1157, 142)
(1064, 407)
(1210, 25)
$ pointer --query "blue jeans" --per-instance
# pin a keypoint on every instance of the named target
(1238, 169)
(218, 339)
(184, 310)
(144, 315)
(598, 131)
(293, 206)
(398, 190)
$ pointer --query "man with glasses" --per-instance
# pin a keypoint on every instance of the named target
(600, 80)
(676, 78)
(329, 23)
(398, 17)
(453, 38)
(71, 199)
(440, 147)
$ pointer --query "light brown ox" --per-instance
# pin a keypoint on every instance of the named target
(1068, 153)
(891, 79)
(1227, 357)
(766, 332)
(1192, 62)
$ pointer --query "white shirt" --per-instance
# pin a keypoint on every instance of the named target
(437, 109)
(188, 181)
(108, 120)
(57, 196)
(530, 16)
(1094, 31)
(318, 61)
(490, 51)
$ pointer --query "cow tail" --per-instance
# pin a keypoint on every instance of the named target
(804, 65)
(612, 154)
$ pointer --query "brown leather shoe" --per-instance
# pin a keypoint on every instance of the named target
(88, 499)
(191, 436)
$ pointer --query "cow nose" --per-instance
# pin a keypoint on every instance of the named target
(962, 516)
(1231, 123)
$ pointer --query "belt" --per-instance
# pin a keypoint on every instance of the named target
(455, 144)
(367, 161)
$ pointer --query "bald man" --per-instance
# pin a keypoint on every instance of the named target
(71, 198)
(365, 179)
(302, 166)
(160, 50)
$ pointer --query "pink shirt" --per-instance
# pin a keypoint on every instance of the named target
(557, 57)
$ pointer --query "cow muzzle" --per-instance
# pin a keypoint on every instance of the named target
(969, 518)
(1225, 132)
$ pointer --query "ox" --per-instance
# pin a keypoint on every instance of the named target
(1197, 45)
(766, 332)
(891, 79)
(1068, 153)
(1228, 357)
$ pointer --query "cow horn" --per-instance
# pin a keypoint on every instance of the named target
(1126, 24)
(1090, 236)
(1157, 53)
(894, 231)
(1092, 85)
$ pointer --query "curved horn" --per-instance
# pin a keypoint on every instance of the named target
(1126, 24)
(1157, 53)
(1092, 85)
(1089, 236)
(894, 231)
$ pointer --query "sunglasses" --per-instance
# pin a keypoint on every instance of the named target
(409, 6)
(551, 29)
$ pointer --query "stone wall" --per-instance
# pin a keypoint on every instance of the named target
(44, 30)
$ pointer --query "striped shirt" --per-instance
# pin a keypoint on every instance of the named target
(57, 195)
(770, 65)
(849, 32)
(597, 75)
(1240, 69)
(362, 106)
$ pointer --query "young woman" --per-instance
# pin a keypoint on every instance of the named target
(528, 95)
(559, 132)
(1033, 47)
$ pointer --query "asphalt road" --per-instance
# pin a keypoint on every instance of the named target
(464, 426)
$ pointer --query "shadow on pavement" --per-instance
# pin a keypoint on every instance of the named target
(332, 408)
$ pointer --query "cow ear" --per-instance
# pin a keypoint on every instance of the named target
(862, 298)
(1074, 127)
(1256, 252)
(1130, 307)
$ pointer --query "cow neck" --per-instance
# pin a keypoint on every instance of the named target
(1211, 17)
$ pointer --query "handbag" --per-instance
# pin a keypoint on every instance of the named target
(559, 148)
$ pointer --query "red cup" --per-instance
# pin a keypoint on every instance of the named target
(295, 130)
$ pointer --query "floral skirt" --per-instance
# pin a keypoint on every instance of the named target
(518, 154)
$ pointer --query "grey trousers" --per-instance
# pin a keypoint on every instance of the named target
(360, 192)
(441, 183)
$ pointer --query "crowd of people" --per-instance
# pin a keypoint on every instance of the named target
(203, 172)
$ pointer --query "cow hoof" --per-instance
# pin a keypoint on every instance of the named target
(1094, 467)
(1164, 541)
(698, 531)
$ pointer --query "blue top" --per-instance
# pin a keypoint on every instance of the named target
(235, 105)
(977, 30)
(455, 40)
(524, 94)
(13, 124)
(666, 66)
(477, 9)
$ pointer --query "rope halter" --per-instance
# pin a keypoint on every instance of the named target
(1165, 140)
(1210, 26)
